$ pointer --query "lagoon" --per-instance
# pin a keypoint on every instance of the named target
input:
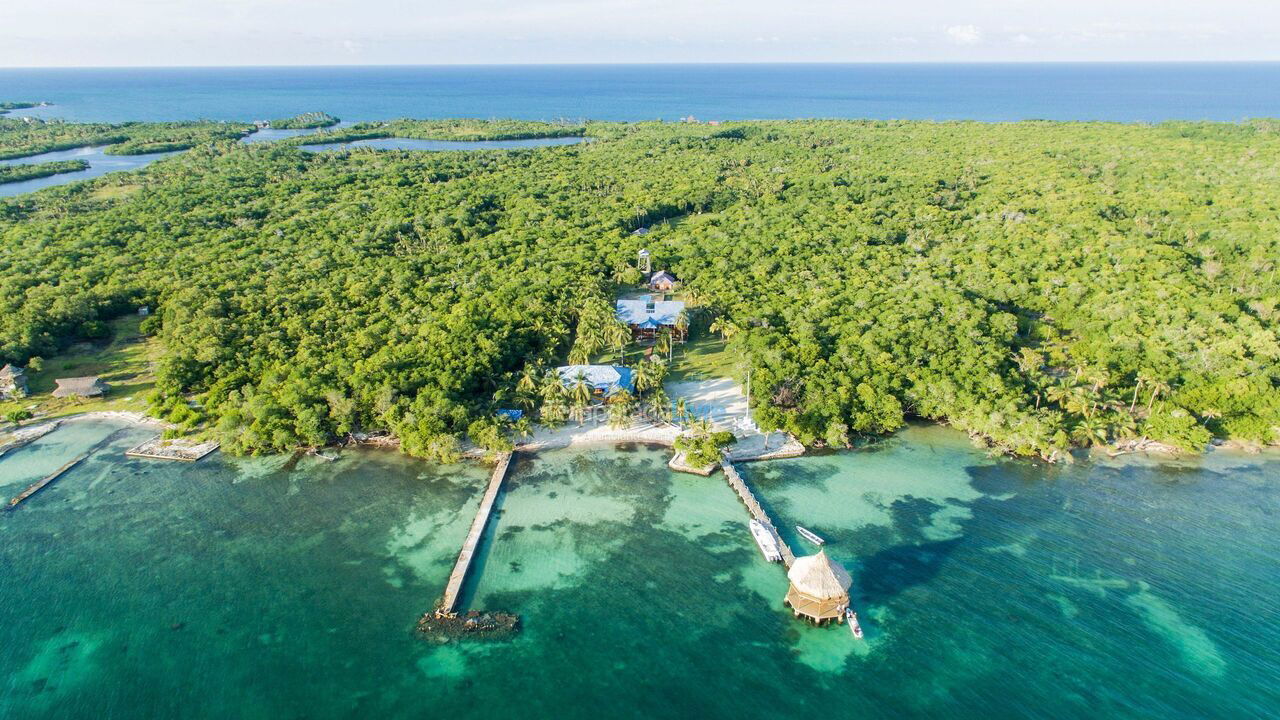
(100, 164)
(255, 587)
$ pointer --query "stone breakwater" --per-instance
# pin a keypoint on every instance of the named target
(442, 627)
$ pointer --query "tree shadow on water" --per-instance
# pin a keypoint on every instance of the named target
(914, 560)
(894, 570)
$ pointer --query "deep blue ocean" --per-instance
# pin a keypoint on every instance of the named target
(1126, 92)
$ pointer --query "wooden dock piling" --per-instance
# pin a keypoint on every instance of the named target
(46, 480)
(449, 601)
(753, 506)
(40, 484)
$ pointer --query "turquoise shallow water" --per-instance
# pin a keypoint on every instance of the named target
(988, 588)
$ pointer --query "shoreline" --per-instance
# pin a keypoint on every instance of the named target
(599, 433)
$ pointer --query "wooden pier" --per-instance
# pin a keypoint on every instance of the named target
(753, 506)
(449, 601)
(40, 484)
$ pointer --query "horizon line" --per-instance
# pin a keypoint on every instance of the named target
(647, 64)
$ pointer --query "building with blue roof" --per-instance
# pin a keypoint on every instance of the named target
(647, 317)
(605, 380)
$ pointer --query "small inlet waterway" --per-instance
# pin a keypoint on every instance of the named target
(100, 164)
(263, 588)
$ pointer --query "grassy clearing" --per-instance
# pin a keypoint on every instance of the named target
(704, 357)
(124, 361)
(112, 192)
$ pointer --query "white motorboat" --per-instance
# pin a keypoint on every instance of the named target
(767, 541)
(810, 536)
(852, 618)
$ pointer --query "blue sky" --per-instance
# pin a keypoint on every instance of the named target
(305, 32)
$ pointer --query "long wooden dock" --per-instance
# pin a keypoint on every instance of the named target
(753, 506)
(40, 484)
(449, 601)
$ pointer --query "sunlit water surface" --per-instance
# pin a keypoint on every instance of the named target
(988, 588)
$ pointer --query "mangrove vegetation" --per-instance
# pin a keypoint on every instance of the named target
(1040, 285)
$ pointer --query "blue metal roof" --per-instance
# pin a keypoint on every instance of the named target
(608, 379)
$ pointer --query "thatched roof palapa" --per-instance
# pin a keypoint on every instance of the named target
(80, 387)
(819, 588)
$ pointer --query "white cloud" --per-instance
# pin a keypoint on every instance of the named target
(233, 32)
(965, 34)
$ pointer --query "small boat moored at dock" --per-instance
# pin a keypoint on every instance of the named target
(810, 536)
(852, 618)
(766, 540)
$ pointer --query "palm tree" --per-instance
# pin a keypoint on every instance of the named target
(527, 400)
(726, 328)
(523, 427)
(552, 386)
(701, 426)
(1090, 431)
(620, 406)
(1079, 402)
(1123, 425)
(619, 335)
(648, 374)
(663, 345)
(553, 411)
(1099, 378)
(1158, 388)
(580, 390)
(1142, 378)
(580, 354)
(1209, 414)
(1059, 392)
(578, 411)
(659, 405)
(528, 379)
(682, 410)
(682, 324)
(1041, 383)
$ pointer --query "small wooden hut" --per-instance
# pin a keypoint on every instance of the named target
(662, 281)
(13, 382)
(819, 589)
